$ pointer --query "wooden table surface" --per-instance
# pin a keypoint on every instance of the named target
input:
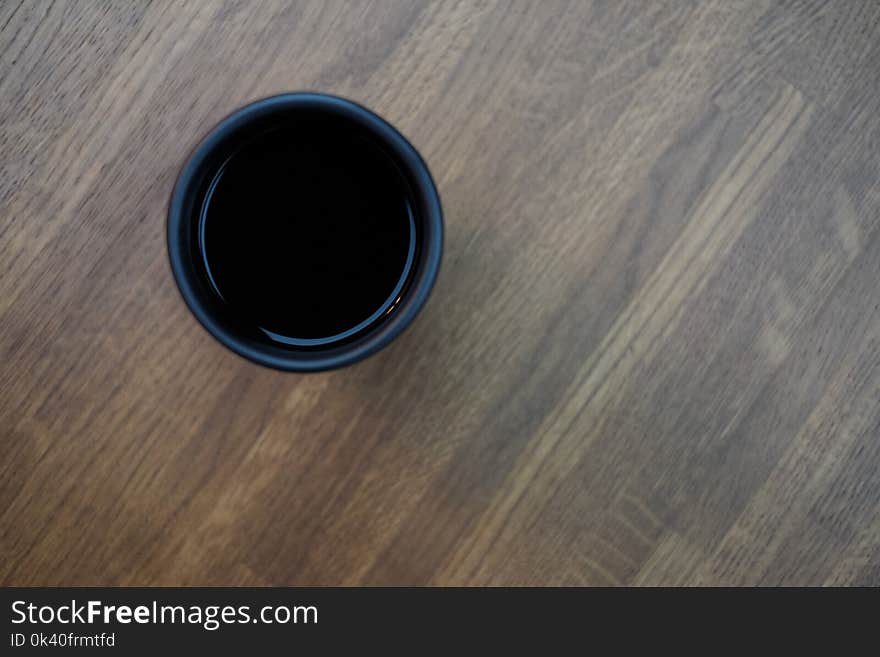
(652, 355)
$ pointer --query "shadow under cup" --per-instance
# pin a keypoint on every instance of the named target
(305, 232)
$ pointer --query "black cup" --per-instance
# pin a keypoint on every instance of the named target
(305, 232)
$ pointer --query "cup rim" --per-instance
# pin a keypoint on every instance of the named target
(425, 195)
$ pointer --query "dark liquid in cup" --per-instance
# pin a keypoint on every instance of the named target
(307, 233)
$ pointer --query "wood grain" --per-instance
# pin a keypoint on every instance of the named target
(652, 356)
